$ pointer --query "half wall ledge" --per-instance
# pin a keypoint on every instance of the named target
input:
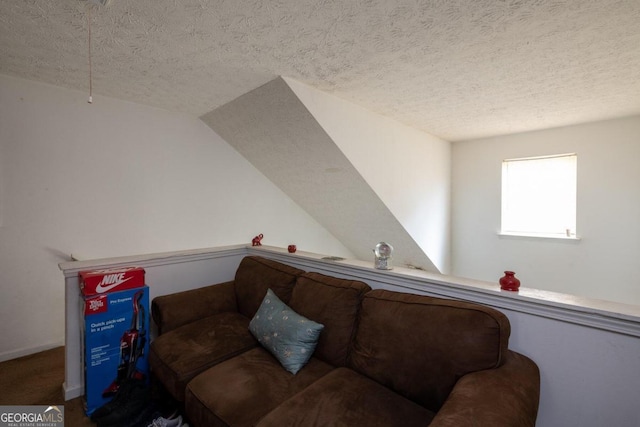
(607, 315)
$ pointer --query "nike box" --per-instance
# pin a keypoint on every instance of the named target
(115, 335)
(110, 280)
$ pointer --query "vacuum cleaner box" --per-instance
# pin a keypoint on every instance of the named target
(111, 280)
(115, 342)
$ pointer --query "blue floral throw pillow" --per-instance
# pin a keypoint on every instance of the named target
(290, 337)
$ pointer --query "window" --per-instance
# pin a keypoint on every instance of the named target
(539, 196)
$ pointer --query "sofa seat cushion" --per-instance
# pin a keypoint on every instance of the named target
(420, 346)
(240, 391)
(178, 356)
(346, 398)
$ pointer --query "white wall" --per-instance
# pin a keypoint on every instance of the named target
(111, 179)
(409, 170)
(604, 263)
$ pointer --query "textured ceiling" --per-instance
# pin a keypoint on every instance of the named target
(458, 69)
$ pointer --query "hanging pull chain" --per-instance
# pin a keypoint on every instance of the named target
(90, 77)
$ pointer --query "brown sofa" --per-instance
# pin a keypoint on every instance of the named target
(383, 358)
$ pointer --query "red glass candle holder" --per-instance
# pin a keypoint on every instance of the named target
(509, 282)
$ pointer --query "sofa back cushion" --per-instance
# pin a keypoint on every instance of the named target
(420, 346)
(335, 303)
(255, 275)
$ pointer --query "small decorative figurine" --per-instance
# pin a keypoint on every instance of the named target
(256, 240)
(509, 282)
(382, 254)
(292, 249)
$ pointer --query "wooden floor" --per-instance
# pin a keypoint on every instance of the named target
(37, 380)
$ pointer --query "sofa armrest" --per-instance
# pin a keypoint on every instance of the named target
(506, 396)
(174, 310)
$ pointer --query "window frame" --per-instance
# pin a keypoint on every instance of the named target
(569, 234)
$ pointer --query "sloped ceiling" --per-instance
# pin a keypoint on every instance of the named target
(272, 129)
(458, 69)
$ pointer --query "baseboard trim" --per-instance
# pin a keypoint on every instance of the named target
(14, 354)
(72, 392)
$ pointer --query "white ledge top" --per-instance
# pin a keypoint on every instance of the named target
(72, 267)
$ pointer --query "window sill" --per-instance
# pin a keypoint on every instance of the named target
(508, 235)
